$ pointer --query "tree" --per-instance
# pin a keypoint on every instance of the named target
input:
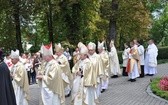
(132, 19)
(159, 30)
(50, 21)
(113, 20)
(159, 25)
(71, 21)
(16, 15)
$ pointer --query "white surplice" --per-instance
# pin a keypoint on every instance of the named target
(151, 59)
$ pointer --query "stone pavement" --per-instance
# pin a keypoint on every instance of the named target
(120, 91)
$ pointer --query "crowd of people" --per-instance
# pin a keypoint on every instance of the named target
(84, 82)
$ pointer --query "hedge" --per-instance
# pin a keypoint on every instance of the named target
(162, 54)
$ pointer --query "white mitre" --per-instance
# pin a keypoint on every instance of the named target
(91, 46)
(80, 44)
(83, 50)
(58, 47)
(41, 49)
(112, 43)
(47, 49)
(101, 45)
(15, 54)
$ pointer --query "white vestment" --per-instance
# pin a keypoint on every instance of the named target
(114, 62)
(81, 94)
(134, 74)
(151, 59)
(65, 67)
(19, 93)
(48, 97)
(141, 54)
(125, 56)
(105, 78)
(96, 60)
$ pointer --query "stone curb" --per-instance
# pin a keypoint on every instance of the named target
(149, 91)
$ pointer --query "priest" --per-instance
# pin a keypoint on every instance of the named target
(20, 79)
(151, 59)
(114, 62)
(62, 60)
(7, 95)
(105, 60)
(97, 64)
(52, 90)
(83, 91)
(125, 56)
(133, 66)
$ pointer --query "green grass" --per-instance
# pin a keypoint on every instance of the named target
(161, 61)
(156, 90)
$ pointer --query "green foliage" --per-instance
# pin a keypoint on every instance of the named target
(7, 23)
(78, 20)
(133, 19)
(156, 90)
(120, 56)
(159, 30)
(135, 22)
(162, 53)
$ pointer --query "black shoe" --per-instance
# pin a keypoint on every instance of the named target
(141, 76)
(125, 75)
(133, 80)
(147, 74)
(129, 80)
(151, 74)
(103, 90)
(114, 76)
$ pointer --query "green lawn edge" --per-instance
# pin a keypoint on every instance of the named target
(162, 61)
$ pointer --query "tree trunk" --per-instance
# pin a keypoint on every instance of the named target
(49, 18)
(16, 15)
(112, 24)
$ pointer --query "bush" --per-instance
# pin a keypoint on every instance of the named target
(156, 89)
(163, 84)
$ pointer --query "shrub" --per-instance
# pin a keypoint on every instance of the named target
(163, 84)
(156, 89)
(163, 53)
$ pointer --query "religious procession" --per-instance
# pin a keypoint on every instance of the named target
(84, 82)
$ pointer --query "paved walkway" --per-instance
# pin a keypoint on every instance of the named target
(120, 91)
